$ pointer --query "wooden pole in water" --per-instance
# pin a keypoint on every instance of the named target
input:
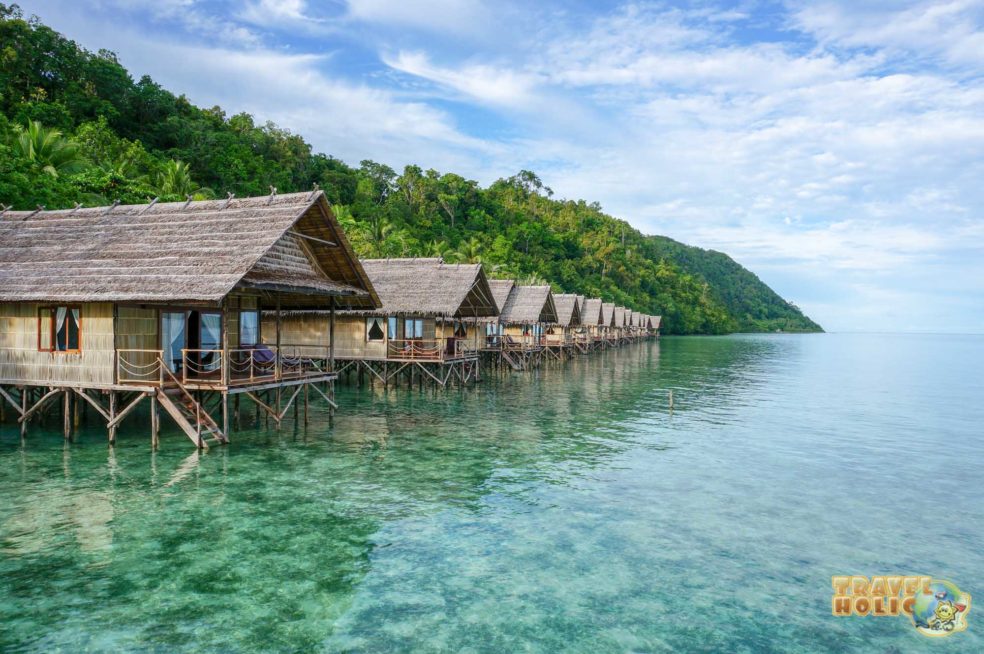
(24, 410)
(671, 399)
(155, 423)
(68, 413)
(112, 415)
(225, 414)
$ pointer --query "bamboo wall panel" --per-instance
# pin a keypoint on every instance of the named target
(21, 362)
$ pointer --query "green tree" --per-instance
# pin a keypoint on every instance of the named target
(174, 179)
(47, 149)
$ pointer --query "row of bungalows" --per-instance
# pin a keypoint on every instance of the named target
(191, 307)
(429, 326)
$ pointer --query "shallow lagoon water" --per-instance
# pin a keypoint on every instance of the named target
(565, 510)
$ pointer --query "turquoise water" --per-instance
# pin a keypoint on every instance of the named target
(566, 510)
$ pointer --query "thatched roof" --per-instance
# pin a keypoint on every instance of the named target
(500, 291)
(607, 314)
(568, 310)
(527, 305)
(620, 316)
(591, 313)
(654, 321)
(288, 245)
(636, 319)
(430, 287)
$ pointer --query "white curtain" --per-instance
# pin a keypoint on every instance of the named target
(172, 338)
(61, 343)
(248, 336)
(211, 331)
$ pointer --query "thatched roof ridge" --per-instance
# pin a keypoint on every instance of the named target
(429, 287)
(194, 252)
(500, 291)
(591, 313)
(527, 305)
(568, 310)
(607, 314)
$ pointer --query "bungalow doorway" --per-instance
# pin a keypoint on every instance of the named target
(192, 342)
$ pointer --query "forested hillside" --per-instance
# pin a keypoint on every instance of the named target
(75, 127)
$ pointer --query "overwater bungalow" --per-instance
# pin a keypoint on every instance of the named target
(608, 334)
(592, 322)
(428, 328)
(619, 323)
(104, 308)
(523, 320)
(582, 342)
(493, 328)
(653, 326)
(559, 338)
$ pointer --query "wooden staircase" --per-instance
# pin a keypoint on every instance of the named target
(511, 360)
(190, 416)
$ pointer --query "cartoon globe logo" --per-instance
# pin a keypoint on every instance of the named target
(942, 610)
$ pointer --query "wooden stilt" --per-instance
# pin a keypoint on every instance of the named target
(155, 423)
(235, 412)
(225, 413)
(68, 414)
(24, 395)
(112, 417)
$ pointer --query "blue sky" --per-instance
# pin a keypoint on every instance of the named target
(836, 148)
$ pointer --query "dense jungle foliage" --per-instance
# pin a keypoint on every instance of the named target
(76, 128)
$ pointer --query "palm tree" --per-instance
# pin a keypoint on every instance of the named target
(469, 251)
(439, 249)
(48, 148)
(377, 232)
(533, 279)
(175, 179)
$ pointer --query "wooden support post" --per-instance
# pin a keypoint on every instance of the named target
(225, 414)
(306, 389)
(279, 363)
(331, 334)
(112, 417)
(155, 423)
(68, 413)
(23, 410)
(235, 412)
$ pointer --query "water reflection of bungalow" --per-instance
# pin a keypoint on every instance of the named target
(427, 328)
(110, 306)
(559, 338)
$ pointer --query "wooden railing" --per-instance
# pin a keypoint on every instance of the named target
(437, 349)
(139, 367)
(235, 367)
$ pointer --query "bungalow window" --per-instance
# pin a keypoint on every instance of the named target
(249, 328)
(460, 331)
(60, 329)
(374, 329)
(413, 328)
(391, 327)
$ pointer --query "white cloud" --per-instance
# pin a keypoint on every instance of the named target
(485, 83)
(948, 30)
